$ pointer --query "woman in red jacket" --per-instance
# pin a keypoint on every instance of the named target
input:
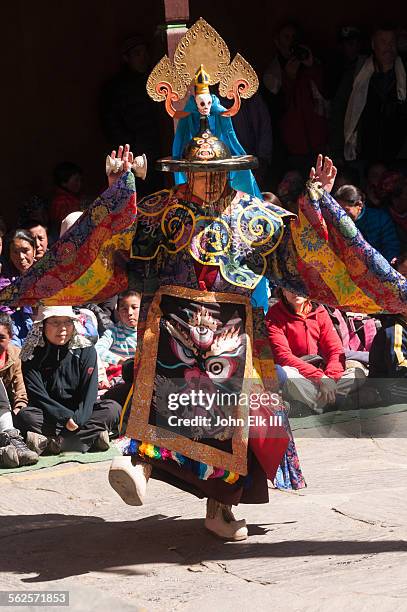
(307, 346)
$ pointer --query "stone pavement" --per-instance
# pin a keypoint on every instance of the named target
(339, 545)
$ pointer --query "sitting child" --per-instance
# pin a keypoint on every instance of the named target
(119, 342)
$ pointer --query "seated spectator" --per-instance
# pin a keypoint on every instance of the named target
(20, 256)
(127, 112)
(388, 355)
(40, 235)
(346, 176)
(375, 224)
(68, 180)
(356, 332)
(305, 343)
(400, 263)
(374, 175)
(61, 378)
(20, 252)
(289, 189)
(33, 209)
(119, 342)
(393, 191)
(13, 397)
(269, 196)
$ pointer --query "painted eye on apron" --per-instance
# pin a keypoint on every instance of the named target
(220, 367)
(202, 336)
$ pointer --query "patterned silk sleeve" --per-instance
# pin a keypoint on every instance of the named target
(88, 263)
(324, 256)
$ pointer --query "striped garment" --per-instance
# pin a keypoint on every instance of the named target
(388, 355)
(118, 342)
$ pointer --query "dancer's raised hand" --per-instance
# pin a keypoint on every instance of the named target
(122, 162)
(324, 172)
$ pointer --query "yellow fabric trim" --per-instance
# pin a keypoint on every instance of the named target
(95, 277)
(398, 342)
(256, 372)
(335, 274)
(268, 369)
(195, 240)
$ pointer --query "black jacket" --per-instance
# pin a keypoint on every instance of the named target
(388, 354)
(62, 382)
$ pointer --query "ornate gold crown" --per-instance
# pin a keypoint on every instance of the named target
(200, 47)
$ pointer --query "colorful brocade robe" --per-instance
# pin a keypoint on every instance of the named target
(192, 337)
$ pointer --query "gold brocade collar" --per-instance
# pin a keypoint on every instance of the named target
(237, 238)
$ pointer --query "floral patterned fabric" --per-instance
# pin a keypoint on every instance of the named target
(320, 254)
(337, 266)
(237, 237)
(87, 261)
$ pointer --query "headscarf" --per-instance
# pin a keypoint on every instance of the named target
(222, 127)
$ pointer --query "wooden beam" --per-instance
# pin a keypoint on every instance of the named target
(176, 20)
(176, 10)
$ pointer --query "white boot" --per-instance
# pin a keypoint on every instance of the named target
(128, 480)
(220, 521)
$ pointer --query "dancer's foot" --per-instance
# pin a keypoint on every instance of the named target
(220, 521)
(128, 480)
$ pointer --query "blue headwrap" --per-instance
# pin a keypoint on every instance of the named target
(242, 180)
(222, 127)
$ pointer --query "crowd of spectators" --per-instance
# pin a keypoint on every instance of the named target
(56, 363)
(66, 373)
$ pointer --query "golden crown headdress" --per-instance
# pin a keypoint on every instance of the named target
(201, 54)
